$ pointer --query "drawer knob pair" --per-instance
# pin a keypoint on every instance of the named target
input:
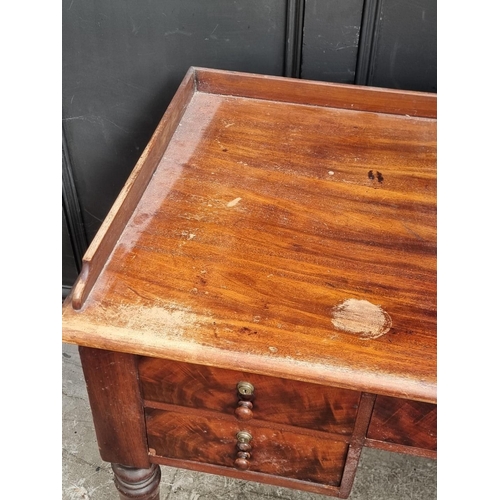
(245, 406)
(243, 445)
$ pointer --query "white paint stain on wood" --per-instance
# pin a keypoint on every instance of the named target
(361, 318)
(234, 202)
(159, 319)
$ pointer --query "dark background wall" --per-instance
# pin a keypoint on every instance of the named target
(124, 59)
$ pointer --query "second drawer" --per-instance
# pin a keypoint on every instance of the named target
(249, 447)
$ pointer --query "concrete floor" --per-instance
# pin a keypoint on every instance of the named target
(381, 475)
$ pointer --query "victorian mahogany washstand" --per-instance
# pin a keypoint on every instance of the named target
(260, 301)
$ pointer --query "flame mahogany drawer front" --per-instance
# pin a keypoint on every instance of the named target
(248, 396)
(252, 447)
(403, 422)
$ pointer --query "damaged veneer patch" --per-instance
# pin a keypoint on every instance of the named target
(361, 318)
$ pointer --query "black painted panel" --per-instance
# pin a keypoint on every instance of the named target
(69, 269)
(123, 61)
(405, 54)
(330, 40)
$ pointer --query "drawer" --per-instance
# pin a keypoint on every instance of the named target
(403, 422)
(272, 399)
(273, 451)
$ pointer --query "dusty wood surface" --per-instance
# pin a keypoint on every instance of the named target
(282, 239)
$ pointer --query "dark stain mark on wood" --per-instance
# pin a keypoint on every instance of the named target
(379, 175)
(247, 330)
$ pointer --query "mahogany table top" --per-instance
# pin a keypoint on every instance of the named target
(278, 226)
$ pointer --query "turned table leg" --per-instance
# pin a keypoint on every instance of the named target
(118, 413)
(137, 484)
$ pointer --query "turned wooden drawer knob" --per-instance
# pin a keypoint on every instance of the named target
(244, 447)
(244, 410)
(245, 394)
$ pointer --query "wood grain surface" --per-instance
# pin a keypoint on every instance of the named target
(137, 484)
(112, 227)
(115, 400)
(357, 442)
(281, 453)
(284, 239)
(274, 400)
(408, 423)
(376, 99)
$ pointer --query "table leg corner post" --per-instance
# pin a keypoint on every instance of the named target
(357, 441)
(137, 484)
